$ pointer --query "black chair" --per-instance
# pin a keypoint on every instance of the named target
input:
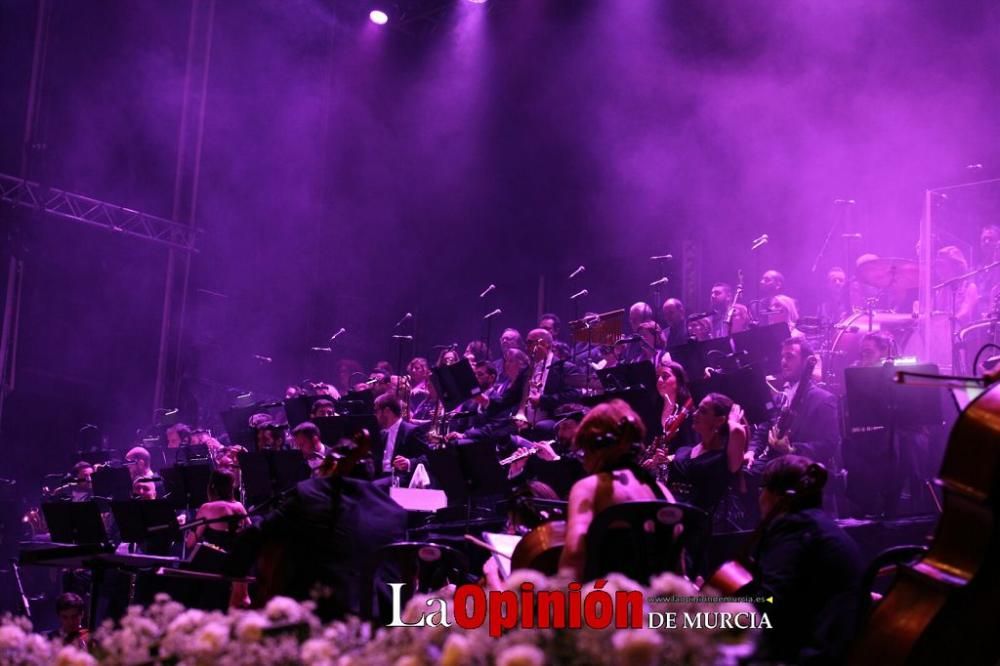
(422, 565)
(641, 539)
(884, 565)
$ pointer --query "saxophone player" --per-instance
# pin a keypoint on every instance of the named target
(551, 383)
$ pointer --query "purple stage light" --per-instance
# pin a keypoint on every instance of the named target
(477, 2)
(378, 17)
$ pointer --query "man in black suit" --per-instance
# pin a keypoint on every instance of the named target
(328, 531)
(815, 431)
(401, 447)
(552, 382)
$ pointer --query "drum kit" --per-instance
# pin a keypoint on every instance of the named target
(952, 350)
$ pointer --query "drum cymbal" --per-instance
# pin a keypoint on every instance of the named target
(889, 273)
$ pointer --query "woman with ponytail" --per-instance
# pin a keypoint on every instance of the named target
(809, 566)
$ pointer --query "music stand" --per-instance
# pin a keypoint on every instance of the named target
(332, 429)
(746, 386)
(635, 383)
(455, 384)
(237, 421)
(75, 522)
(187, 484)
(112, 482)
(146, 521)
(695, 356)
(604, 329)
(762, 345)
(191, 454)
(875, 399)
(266, 473)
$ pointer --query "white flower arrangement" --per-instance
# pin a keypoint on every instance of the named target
(286, 631)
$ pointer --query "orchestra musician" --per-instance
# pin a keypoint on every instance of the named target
(420, 372)
(400, 447)
(806, 566)
(610, 439)
(675, 328)
(551, 323)
(138, 461)
(307, 441)
(549, 384)
(815, 432)
(221, 502)
(960, 298)
(69, 610)
(321, 408)
(772, 283)
(835, 304)
(144, 488)
(498, 404)
(727, 318)
(702, 474)
(783, 309)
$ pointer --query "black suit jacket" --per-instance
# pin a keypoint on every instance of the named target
(330, 529)
(562, 385)
(815, 432)
(410, 444)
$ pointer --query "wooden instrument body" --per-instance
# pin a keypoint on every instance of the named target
(541, 548)
(942, 608)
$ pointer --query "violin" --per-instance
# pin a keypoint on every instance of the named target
(942, 608)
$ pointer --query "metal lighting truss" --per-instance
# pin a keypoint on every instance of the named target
(76, 207)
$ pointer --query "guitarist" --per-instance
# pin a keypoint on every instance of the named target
(807, 426)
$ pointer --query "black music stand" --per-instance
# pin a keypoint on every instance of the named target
(151, 523)
(635, 383)
(187, 484)
(266, 473)
(237, 421)
(75, 522)
(332, 429)
(762, 345)
(697, 355)
(455, 384)
(746, 386)
(468, 472)
(112, 482)
(875, 399)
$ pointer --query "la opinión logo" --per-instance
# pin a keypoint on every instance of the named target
(529, 608)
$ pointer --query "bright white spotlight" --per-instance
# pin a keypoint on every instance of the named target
(478, 2)
(378, 17)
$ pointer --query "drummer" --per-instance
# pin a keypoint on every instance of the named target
(959, 297)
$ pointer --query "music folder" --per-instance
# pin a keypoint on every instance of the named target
(75, 522)
(455, 384)
(139, 520)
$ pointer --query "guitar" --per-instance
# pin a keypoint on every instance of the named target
(786, 419)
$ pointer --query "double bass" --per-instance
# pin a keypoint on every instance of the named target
(941, 609)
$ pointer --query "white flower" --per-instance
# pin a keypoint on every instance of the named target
(212, 638)
(318, 652)
(455, 651)
(12, 637)
(250, 627)
(71, 656)
(187, 622)
(407, 660)
(521, 655)
(284, 609)
(668, 584)
(636, 647)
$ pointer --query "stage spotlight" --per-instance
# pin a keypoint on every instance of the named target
(378, 17)
(477, 2)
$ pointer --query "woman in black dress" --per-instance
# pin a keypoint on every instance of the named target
(700, 475)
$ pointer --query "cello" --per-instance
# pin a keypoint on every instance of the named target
(942, 607)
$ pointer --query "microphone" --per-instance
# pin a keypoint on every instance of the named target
(759, 243)
(453, 345)
(487, 290)
(263, 359)
(582, 292)
(322, 349)
(402, 337)
(843, 202)
(657, 283)
(973, 166)
(662, 257)
(577, 272)
(334, 336)
(406, 317)
(493, 314)
(851, 236)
